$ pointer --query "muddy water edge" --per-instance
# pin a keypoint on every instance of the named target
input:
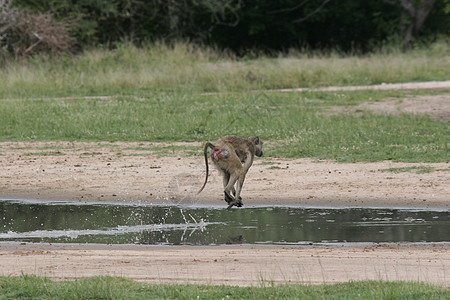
(65, 222)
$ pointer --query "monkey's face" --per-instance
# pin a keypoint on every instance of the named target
(259, 147)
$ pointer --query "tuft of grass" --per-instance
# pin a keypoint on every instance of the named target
(265, 163)
(51, 153)
(416, 169)
(161, 151)
(274, 168)
(27, 287)
(184, 67)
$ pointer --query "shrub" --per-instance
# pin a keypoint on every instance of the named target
(23, 34)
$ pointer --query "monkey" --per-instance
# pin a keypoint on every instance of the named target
(233, 156)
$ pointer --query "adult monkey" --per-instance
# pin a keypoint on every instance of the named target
(233, 156)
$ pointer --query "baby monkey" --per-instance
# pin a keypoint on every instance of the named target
(233, 156)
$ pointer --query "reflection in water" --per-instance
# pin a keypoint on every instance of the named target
(121, 224)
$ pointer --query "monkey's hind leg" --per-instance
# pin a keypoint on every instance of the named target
(235, 202)
(226, 179)
(229, 182)
(228, 199)
(230, 187)
(237, 192)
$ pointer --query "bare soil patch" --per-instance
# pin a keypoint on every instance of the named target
(133, 172)
(425, 85)
(129, 172)
(436, 107)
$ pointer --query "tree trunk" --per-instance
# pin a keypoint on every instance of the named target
(418, 17)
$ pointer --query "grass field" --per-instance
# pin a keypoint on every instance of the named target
(27, 287)
(186, 68)
(157, 94)
(296, 124)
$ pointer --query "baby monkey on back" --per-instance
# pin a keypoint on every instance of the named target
(233, 156)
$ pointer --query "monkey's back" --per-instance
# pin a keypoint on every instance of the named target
(242, 146)
(230, 163)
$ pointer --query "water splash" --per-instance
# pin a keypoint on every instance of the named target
(73, 234)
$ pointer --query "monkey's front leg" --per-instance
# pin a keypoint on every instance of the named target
(237, 199)
(233, 190)
(237, 193)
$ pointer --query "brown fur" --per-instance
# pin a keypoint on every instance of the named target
(233, 156)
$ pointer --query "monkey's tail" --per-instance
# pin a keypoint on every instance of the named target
(205, 152)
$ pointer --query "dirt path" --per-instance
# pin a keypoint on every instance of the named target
(425, 85)
(232, 265)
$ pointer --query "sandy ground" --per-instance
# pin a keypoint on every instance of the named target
(135, 172)
(117, 172)
(242, 265)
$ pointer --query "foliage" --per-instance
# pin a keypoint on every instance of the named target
(241, 25)
(107, 22)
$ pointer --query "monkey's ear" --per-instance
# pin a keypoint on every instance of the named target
(257, 140)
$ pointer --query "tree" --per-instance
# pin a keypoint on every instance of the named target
(417, 12)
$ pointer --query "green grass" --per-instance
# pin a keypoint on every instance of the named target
(158, 95)
(187, 68)
(32, 287)
(163, 151)
(52, 153)
(293, 124)
(265, 163)
(415, 169)
(275, 168)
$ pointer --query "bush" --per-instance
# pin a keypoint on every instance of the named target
(241, 26)
(23, 34)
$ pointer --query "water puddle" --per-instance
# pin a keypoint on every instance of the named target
(172, 225)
